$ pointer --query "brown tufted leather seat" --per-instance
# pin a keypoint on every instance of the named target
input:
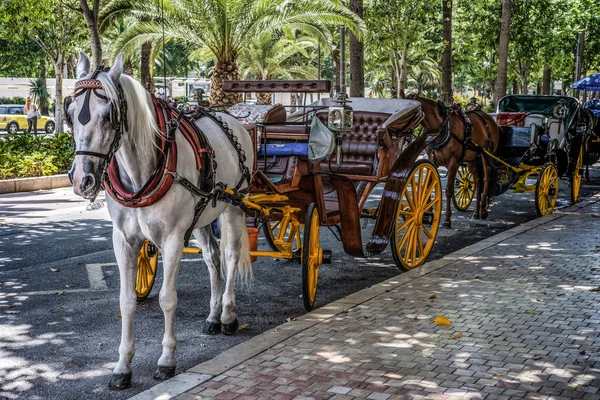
(359, 146)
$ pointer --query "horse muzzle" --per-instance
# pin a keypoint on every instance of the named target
(87, 181)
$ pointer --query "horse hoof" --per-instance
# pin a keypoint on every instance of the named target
(120, 381)
(447, 224)
(211, 328)
(230, 329)
(484, 216)
(475, 216)
(164, 373)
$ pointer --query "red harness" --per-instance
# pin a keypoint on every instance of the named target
(161, 180)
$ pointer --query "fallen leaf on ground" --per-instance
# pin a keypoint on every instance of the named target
(498, 375)
(242, 327)
(442, 321)
(108, 315)
(202, 345)
(344, 311)
(457, 336)
(54, 269)
(288, 319)
(530, 312)
(119, 315)
(60, 293)
(595, 269)
(99, 343)
(433, 296)
(60, 307)
(5, 306)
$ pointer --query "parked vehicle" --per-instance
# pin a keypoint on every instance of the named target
(13, 119)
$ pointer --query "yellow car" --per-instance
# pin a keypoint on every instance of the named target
(13, 119)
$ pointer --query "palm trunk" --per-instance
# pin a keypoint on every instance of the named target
(357, 57)
(264, 98)
(447, 54)
(223, 71)
(403, 76)
(335, 54)
(503, 50)
(145, 67)
(546, 79)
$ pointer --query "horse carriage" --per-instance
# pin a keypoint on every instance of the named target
(545, 137)
(292, 199)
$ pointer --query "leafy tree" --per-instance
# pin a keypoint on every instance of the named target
(53, 26)
(447, 92)
(357, 57)
(503, 49)
(394, 26)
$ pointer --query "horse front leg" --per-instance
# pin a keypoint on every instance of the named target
(126, 255)
(472, 166)
(235, 253)
(485, 195)
(172, 251)
(452, 170)
(210, 253)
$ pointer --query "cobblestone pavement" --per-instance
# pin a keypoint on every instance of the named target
(525, 315)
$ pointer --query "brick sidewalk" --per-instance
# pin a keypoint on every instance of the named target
(525, 314)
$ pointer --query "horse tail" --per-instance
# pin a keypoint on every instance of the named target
(244, 267)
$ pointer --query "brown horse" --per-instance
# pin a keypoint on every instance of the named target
(451, 126)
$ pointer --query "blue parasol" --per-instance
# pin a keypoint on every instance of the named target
(590, 83)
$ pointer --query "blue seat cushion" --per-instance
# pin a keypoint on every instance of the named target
(283, 149)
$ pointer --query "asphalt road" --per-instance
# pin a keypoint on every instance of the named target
(59, 324)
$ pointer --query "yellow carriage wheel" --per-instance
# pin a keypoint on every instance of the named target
(271, 230)
(546, 190)
(312, 256)
(464, 189)
(146, 273)
(418, 216)
(576, 177)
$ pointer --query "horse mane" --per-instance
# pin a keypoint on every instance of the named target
(142, 127)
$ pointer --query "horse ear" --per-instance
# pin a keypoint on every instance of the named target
(117, 68)
(83, 65)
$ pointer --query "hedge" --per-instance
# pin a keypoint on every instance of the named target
(23, 155)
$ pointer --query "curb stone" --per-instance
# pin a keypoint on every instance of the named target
(244, 351)
(33, 184)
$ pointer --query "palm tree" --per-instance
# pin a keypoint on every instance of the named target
(227, 27)
(425, 77)
(284, 58)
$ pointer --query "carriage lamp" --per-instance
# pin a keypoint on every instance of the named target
(340, 119)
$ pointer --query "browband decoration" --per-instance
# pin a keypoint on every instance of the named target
(88, 84)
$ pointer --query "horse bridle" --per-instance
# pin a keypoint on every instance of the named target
(117, 116)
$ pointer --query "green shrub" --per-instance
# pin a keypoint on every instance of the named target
(12, 100)
(24, 155)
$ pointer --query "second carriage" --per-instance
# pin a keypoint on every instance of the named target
(292, 198)
(545, 137)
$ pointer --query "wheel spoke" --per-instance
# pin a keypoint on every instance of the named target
(431, 203)
(427, 233)
(405, 224)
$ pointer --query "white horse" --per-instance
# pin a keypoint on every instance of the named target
(165, 222)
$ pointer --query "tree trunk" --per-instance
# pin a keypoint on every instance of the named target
(447, 53)
(503, 50)
(402, 78)
(58, 98)
(146, 68)
(223, 71)
(546, 79)
(524, 88)
(579, 60)
(515, 88)
(357, 57)
(44, 104)
(335, 55)
(91, 21)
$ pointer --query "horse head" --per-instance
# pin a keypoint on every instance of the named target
(94, 113)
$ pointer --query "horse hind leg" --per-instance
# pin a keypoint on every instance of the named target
(474, 169)
(235, 257)
(171, 251)
(210, 253)
(126, 254)
(485, 196)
